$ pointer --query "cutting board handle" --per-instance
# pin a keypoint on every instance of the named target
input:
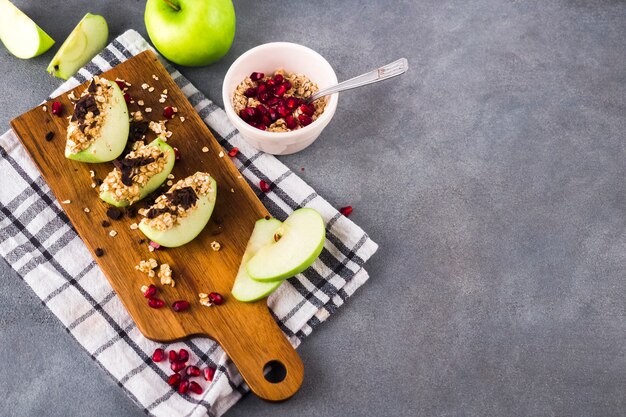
(255, 345)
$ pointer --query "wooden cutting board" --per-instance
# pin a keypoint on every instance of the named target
(246, 331)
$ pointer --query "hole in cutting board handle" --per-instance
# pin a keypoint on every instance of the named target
(274, 371)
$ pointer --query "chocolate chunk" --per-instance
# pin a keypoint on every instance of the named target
(105, 223)
(141, 241)
(92, 87)
(99, 252)
(137, 130)
(49, 136)
(98, 182)
(126, 165)
(114, 213)
(155, 212)
(83, 106)
(184, 197)
(131, 211)
(267, 217)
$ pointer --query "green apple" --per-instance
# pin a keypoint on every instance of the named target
(113, 134)
(22, 37)
(153, 183)
(188, 227)
(87, 39)
(245, 288)
(299, 241)
(191, 32)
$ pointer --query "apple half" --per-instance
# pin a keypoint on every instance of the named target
(187, 228)
(21, 36)
(153, 183)
(87, 39)
(113, 134)
(245, 288)
(299, 241)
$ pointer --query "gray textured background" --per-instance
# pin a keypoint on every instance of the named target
(492, 175)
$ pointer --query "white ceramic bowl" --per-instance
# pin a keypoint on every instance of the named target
(267, 58)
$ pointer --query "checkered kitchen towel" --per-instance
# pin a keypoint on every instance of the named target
(38, 241)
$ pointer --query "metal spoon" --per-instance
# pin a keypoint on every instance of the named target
(388, 71)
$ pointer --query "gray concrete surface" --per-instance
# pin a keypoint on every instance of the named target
(492, 175)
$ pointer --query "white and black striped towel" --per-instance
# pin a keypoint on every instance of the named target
(38, 241)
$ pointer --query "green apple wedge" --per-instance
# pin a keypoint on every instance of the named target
(300, 241)
(245, 288)
(188, 227)
(87, 39)
(21, 36)
(153, 183)
(113, 134)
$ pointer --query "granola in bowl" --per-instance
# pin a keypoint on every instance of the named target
(276, 103)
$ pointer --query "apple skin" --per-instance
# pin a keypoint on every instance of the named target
(199, 33)
(21, 36)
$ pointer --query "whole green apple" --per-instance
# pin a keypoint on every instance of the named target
(191, 32)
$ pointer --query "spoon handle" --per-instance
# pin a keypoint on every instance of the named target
(388, 71)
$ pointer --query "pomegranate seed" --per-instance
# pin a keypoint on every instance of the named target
(208, 373)
(158, 355)
(278, 78)
(154, 245)
(273, 114)
(263, 97)
(193, 371)
(251, 112)
(57, 108)
(156, 303)
(305, 120)
(256, 76)
(180, 305)
(261, 109)
(250, 92)
(264, 186)
(195, 387)
(121, 84)
(346, 211)
(174, 380)
(280, 91)
(273, 101)
(183, 387)
(244, 115)
(282, 110)
(287, 85)
(127, 98)
(173, 356)
(183, 355)
(168, 112)
(261, 88)
(215, 297)
(151, 291)
(260, 126)
(290, 121)
(233, 152)
(308, 110)
(270, 83)
(177, 366)
(176, 154)
(266, 120)
(291, 103)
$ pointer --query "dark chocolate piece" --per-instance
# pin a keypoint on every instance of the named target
(49, 136)
(99, 252)
(114, 213)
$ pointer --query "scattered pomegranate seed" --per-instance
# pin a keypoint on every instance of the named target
(177, 366)
(173, 356)
(264, 186)
(57, 108)
(183, 355)
(158, 355)
(192, 371)
(305, 120)
(183, 387)
(308, 110)
(233, 152)
(208, 373)
(290, 121)
(346, 211)
(121, 84)
(156, 303)
(127, 98)
(256, 76)
(151, 291)
(195, 387)
(250, 92)
(216, 298)
(174, 380)
(168, 112)
(279, 78)
(154, 245)
(176, 154)
(180, 305)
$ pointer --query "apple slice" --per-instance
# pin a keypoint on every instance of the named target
(184, 228)
(113, 134)
(300, 241)
(87, 39)
(22, 37)
(245, 288)
(153, 183)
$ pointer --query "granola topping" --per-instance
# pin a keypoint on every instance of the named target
(165, 275)
(88, 116)
(134, 172)
(180, 200)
